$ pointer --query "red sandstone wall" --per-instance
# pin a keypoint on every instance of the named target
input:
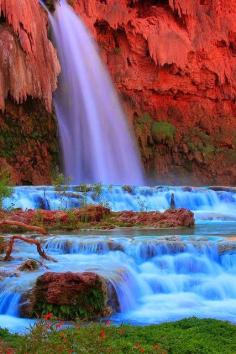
(28, 61)
(172, 59)
(175, 60)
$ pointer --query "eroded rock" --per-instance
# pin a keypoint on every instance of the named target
(70, 296)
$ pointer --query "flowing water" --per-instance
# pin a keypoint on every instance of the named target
(156, 278)
(216, 203)
(96, 141)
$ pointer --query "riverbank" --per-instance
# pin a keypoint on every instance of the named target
(195, 336)
(92, 217)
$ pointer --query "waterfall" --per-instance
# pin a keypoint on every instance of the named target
(156, 279)
(95, 138)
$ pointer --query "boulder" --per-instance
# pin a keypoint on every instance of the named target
(70, 296)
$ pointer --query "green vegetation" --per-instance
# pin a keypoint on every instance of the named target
(198, 141)
(24, 132)
(163, 132)
(150, 133)
(87, 307)
(189, 336)
(5, 189)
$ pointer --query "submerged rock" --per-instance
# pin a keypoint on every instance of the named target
(70, 296)
(29, 265)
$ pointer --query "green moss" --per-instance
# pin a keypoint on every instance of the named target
(163, 132)
(189, 336)
(24, 131)
(85, 306)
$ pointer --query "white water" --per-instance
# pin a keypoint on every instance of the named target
(156, 279)
(96, 142)
(206, 203)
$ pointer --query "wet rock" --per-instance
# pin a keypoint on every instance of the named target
(29, 265)
(92, 213)
(170, 218)
(127, 189)
(2, 245)
(227, 247)
(70, 296)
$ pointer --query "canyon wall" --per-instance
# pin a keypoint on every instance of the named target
(174, 64)
(28, 76)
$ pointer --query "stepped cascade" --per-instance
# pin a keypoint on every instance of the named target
(207, 203)
(96, 141)
(171, 277)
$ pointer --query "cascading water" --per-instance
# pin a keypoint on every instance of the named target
(156, 279)
(206, 203)
(96, 142)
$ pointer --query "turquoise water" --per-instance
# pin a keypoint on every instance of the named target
(207, 203)
(158, 275)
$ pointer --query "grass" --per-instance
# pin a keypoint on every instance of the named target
(189, 336)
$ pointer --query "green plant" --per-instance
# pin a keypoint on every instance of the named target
(127, 189)
(5, 189)
(163, 132)
(83, 307)
(97, 188)
(188, 336)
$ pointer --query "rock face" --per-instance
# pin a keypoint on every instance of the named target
(28, 142)
(28, 76)
(170, 218)
(173, 62)
(28, 61)
(69, 296)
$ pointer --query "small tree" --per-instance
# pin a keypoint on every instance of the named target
(5, 189)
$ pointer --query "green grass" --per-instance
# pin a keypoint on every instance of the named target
(189, 336)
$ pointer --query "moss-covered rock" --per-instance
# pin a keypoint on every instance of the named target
(70, 296)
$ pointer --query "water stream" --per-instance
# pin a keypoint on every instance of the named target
(207, 203)
(157, 278)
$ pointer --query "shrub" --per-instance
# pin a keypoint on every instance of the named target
(163, 131)
(5, 190)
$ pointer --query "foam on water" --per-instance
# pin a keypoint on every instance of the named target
(206, 203)
(156, 278)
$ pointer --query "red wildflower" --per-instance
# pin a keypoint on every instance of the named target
(102, 334)
(48, 316)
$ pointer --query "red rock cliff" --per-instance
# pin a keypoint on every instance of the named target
(28, 61)
(28, 77)
(174, 63)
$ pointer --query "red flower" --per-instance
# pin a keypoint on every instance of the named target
(48, 316)
(103, 334)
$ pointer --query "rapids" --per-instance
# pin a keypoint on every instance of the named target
(207, 203)
(157, 279)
